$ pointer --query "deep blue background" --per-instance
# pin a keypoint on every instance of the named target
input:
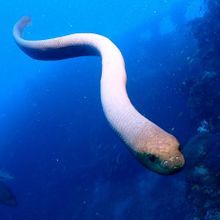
(66, 161)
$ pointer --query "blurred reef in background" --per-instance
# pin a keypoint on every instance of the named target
(202, 151)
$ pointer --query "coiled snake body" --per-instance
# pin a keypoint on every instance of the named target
(151, 145)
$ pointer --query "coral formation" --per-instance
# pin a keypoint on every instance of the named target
(202, 152)
(203, 175)
(204, 93)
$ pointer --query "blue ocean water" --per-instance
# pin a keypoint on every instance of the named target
(65, 160)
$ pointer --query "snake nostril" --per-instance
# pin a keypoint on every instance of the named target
(178, 162)
(177, 159)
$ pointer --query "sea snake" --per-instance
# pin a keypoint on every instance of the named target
(152, 146)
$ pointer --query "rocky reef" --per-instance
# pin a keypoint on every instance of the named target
(203, 150)
(203, 176)
(204, 90)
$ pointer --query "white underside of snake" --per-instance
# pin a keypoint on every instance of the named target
(152, 146)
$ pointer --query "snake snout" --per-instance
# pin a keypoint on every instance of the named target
(174, 163)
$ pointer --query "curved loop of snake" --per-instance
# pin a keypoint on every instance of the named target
(152, 146)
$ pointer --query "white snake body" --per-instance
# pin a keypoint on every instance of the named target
(152, 146)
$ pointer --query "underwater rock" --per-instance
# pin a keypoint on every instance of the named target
(203, 176)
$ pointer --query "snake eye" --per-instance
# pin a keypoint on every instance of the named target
(152, 158)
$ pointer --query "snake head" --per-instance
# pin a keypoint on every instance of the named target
(164, 158)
